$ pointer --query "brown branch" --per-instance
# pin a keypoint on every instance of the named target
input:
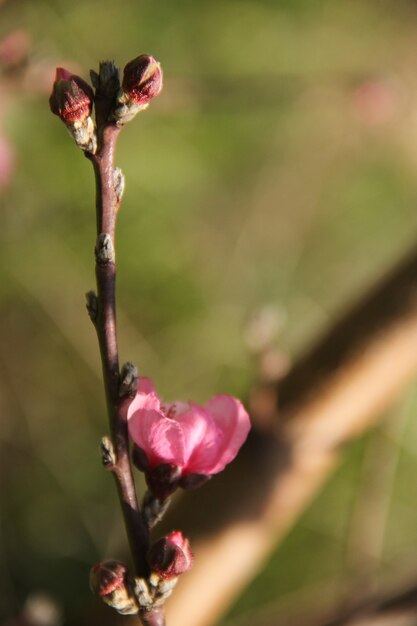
(107, 205)
(336, 392)
(102, 310)
(399, 609)
(388, 609)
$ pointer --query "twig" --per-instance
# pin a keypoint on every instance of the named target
(107, 205)
(333, 394)
(102, 311)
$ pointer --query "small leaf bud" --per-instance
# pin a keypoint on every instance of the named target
(171, 556)
(107, 81)
(142, 81)
(104, 249)
(108, 455)
(72, 100)
(92, 305)
(144, 594)
(110, 580)
(119, 183)
(161, 589)
(128, 380)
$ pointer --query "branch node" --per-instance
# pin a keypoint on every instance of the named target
(107, 84)
(104, 249)
(128, 380)
(92, 305)
(108, 455)
(153, 510)
(119, 184)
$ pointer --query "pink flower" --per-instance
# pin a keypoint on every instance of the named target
(171, 556)
(181, 442)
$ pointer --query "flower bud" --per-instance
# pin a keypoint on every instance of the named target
(171, 556)
(142, 81)
(110, 580)
(72, 100)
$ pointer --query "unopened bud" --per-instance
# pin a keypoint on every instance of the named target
(108, 455)
(128, 380)
(142, 81)
(110, 580)
(171, 556)
(104, 249)
(92, 305)
(72, 100)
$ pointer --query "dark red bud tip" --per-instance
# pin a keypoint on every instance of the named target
(107, 577)
(62, 74)
(171, 556)
(142, 79)
(71, 98)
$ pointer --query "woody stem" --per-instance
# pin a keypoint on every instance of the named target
(107, 205)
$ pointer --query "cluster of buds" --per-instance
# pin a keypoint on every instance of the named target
(168, 558)
(72, 98)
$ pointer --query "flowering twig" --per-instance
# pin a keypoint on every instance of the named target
(177, 444)
(72, 99)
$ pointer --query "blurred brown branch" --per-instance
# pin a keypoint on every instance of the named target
(396, 610)
(388, 609)
(335, 392)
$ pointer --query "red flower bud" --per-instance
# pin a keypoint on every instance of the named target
(171, 556)
(71, 98)
(142, 79)
(110, 580)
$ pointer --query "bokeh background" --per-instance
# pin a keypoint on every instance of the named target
(278, 169)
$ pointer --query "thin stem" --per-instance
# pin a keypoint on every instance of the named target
(102, 310)
(107, 205)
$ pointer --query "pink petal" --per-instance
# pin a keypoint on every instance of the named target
(161, 438)
(145, 398)
(233, 422)
(201, 438)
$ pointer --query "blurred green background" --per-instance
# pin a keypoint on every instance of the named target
(278, 168)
